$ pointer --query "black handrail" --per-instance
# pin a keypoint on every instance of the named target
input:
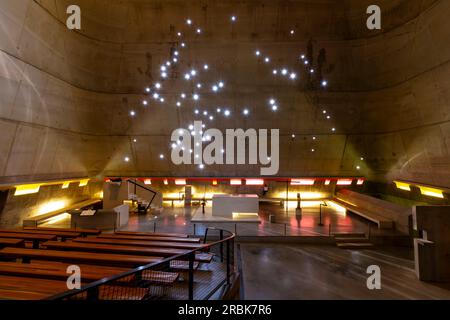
(145, 188)
(94, 285)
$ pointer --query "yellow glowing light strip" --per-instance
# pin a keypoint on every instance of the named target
(344, 182)
(402, 186)
(235, 182)
(254, 182)
(302, 182)
(147, 181)
(180, 182)
(360, 182)
(27, 189)
(431, 192)
(327, 182)
(66, 185)
(83, 183)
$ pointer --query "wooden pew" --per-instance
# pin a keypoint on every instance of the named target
(119, 249)
(126, 242)
(63, 235)
(105, 259)
(17, 288)
(88, 273)
(11, 242)
(35, 238)
(166, 239)
(83, 232)
(152, 234)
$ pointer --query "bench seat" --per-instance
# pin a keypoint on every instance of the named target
(150, 238)
(140, 243)
(61, 234)
(152, 234)
(83, 232)
(79, 257)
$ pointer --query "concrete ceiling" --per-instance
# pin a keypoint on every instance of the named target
(66, 96)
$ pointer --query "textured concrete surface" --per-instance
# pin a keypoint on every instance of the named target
(65, 96)
(324, 272)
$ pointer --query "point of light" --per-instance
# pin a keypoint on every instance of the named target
(132, 113)
(196, 96)
(215, 88)
(158, 85)
(246, 112)
(293, 76)
(178, 104)
(227, 113)
(293, 136)
(126, 159)
(275, 71)
(267, 60)
(324, 83)
(199, 30)
(156, 96)
(202, 166)
(206, 67)
(183, 96)
(145, 102)
(221, 84)
(189, 21)
(284, 72)
(258, 53)
(147, 89)
(274, 108)
(161, 156)
(233, 18)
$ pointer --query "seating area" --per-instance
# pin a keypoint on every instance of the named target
(385, 214)
(34, 262)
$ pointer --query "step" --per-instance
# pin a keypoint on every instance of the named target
(351, 239)
(349, 234)
(352, 245)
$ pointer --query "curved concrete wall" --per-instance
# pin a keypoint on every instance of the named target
(66, 95)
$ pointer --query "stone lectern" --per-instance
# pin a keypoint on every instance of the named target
(432, 251)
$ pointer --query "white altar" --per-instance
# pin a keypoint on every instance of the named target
(224, 205)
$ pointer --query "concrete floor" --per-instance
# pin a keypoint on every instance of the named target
(178, 219)
(285, 271)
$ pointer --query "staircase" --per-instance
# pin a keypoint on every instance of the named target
(352, 240)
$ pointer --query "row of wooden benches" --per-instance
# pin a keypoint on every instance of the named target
(100, 256)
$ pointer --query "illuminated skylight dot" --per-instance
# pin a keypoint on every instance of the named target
(302, 57)
(215, 88)
(246, 112)
(178, 104)
(164, 74)
(293, 76)
(227, 113)
(163, 68)
(199, 30)
(174, 145)
(183, 96)
(187, 76)
(272, 101)
(274, 107)
(193, 73)
(183, 44)
(206, 67)
(314, 138)
(147, 89)
(156, 96)
(158, 85)
(293, 136)
(132, 113)
(134, 140)
(275, 71)
(311, 71)
(205, 113)
(179, 34)
(161, 156)
(313, 150)
(306, 62)
(211, 118)
(189, 21)
(161, 100)
(324, 111)
(203, 126)
(196, 111)
(328, 117)
(233, 18)
(333, 129)
(219, 110)
(258, 53)
(176, 53)
(126, 159)
(175, 60)
(202, 166)
(358, 167)
(145, 102)
(168, 63)
(191, 127)
(324, 83)
(292, 32)
(362, 159)
(284, 72)
(221, 84)
(196, 96)
(267, 60)
(223, 151)
(199, 85)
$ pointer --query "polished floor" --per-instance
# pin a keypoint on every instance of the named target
(286, 221)
(283, 271)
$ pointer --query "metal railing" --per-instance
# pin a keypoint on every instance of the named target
(188, 276)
